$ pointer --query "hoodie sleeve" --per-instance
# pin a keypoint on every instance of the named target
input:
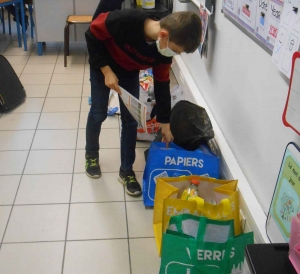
(161, 74)
(95, 38)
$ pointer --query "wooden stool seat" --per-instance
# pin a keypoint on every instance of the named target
(73, 19)
(79, 19)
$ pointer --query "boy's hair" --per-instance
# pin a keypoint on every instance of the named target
(184, 29)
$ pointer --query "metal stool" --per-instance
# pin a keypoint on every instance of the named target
(73, 19)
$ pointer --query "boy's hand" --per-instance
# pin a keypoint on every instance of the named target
(111, 80)
(167, 136)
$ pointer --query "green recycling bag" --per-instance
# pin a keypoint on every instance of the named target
(194, 245)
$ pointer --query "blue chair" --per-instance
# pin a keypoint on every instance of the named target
(19, 5)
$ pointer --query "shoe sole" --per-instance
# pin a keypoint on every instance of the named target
(129, 193)
(93, 177)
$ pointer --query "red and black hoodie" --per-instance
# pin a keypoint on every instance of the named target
(117, 39)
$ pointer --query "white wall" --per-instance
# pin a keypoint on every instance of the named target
(246, 95)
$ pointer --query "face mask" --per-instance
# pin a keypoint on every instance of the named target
(165, 52)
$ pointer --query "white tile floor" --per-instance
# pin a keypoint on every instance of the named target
(53, 218)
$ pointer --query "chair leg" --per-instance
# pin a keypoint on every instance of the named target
(18, 25)
(9, 24)
(40, 48)
(66, 43)
(31, 20)
(2, 19)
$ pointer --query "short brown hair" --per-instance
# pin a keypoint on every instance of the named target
(184, 28)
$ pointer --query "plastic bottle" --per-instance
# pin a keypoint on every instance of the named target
(191, 191)
(148, 4)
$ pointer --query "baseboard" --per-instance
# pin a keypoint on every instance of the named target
(250, 208)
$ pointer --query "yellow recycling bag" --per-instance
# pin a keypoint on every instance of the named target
(218, 200)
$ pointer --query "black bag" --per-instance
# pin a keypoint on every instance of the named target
(191, 128)
(12, 92)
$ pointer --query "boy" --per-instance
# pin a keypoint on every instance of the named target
(120, 44)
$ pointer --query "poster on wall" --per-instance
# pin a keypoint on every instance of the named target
(288, 38)
(261, 18)
(247, 14)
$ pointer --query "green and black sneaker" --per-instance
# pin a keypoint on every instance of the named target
(128, 179)
(92, 168)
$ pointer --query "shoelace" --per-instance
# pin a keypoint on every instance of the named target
(131, 179)
(94, 162)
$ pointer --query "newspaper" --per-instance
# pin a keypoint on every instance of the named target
(137, 109)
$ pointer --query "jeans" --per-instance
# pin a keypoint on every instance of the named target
(98, 113)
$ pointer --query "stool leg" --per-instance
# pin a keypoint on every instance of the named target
(18, 25)
(31, 20)
(66, 43)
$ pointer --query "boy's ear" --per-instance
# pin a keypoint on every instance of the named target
(163, 33)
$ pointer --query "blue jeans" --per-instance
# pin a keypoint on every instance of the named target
(98, 113)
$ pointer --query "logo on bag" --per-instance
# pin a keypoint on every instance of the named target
(215, 255)
(185, 161)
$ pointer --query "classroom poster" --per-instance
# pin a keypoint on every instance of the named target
(288, 38)
(231, 8)
(272, 25)
(262, 20)
(246, 15)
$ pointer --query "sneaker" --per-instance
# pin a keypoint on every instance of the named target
(128, 179)
(92, 168)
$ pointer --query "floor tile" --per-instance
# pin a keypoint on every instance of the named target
(65, 91)
(67, 79)
(72, 59)
(44, 189)
(30, 105)
(47, 51)
(33, 258)
(94, 257)
(143, 227)
(85, 105)
(54, 139)
(143, 256)
(109, 160)
(36, 90)
(18, 68)
(50, 161)
(36, 223)
(109, 138)
(110, 122)
(4, 215)
(12, 162)
(19, 121)
(31, 79)
(86, 91)
(67, 120)
(8, 189)
(74, 68)
(86, 78)
(16, 140)
(105, 189)
(44, 59)
(17, 51)
(39, 68)
(62, 104)
(17, 60)
(97, 221)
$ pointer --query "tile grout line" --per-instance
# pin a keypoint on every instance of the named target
(70, 199)
(21, 174)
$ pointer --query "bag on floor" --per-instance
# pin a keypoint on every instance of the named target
(200, 245)
(12, 92)
(218, 200)
(174, 162)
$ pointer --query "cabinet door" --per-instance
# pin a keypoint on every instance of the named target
(50, 19)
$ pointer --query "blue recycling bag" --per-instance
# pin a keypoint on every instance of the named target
(173, 162)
